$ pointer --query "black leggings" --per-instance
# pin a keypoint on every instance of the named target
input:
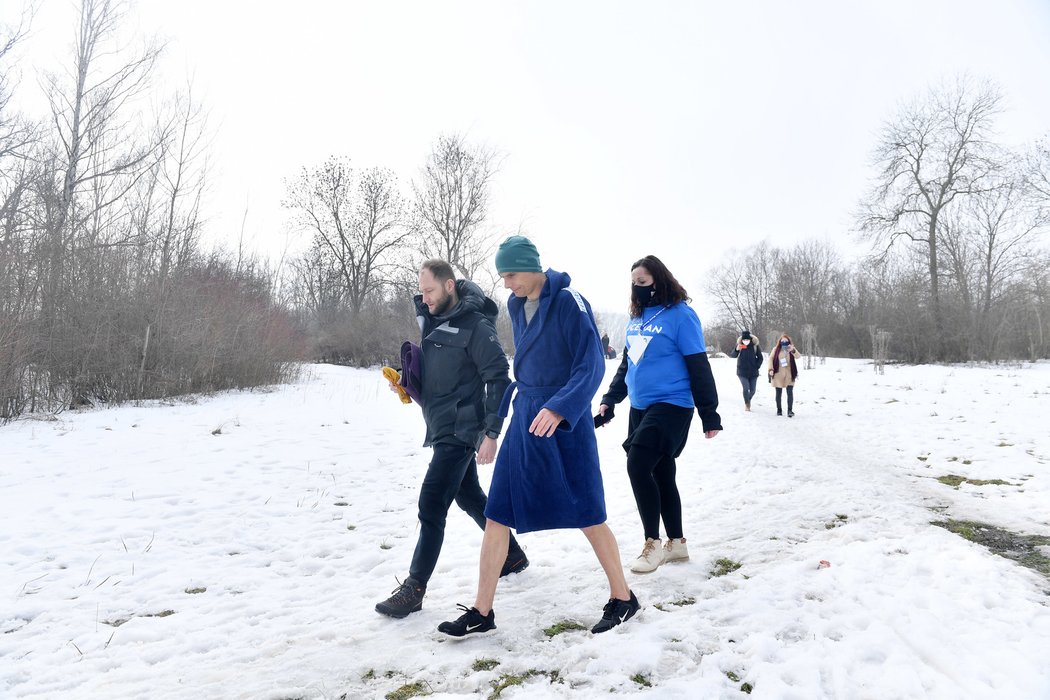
(791, 398)
(655, 492)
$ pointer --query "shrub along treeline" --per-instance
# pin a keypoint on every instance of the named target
(106, 291)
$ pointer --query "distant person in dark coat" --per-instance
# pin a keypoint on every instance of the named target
(464, 376)
(606, 348)
(748, 356)
(666, 372)
(547, 474)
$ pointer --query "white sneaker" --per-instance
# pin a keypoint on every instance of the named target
(651, 557)
(675, 550)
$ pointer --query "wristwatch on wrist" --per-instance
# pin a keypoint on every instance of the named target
(491, 434)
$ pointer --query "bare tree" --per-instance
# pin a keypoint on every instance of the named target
(934, 152)
(452, 200)
(805, 281)
(356, 222)
(744, 287)
(1037, 174)
(988, 243)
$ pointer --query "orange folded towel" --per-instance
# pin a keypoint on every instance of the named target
(394, 378)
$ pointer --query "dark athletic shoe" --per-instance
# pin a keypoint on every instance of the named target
(615, 612)
(470, 622)
(407, 598)
(791, 414)
(515, 564)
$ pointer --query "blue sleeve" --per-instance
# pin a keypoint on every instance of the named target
(690, 332)
(573, 401)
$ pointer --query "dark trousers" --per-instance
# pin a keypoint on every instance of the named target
(652, 476)
(791, 398)
(452, 475)
(750, 384)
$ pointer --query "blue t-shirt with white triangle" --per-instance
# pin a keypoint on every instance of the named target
(657, 343)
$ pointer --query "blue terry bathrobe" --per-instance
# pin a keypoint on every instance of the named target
(544, 483)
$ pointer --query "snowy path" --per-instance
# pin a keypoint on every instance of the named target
(141, 555)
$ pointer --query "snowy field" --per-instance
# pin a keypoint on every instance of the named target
(234, 547)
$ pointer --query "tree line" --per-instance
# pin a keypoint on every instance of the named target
(108, 291)
(958, 270)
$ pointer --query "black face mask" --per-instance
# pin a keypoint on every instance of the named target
(643, 295)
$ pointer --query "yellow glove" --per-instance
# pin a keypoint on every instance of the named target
(394, 378)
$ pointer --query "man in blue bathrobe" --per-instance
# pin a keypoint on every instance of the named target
(547, 474)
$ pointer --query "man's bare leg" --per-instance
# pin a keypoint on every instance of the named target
(494, 547)
(604, 544)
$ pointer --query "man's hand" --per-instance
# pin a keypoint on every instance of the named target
(545, 423)
(487, 451)
(711, 433)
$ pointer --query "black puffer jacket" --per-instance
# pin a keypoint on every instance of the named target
(748, 360)
(465, 370)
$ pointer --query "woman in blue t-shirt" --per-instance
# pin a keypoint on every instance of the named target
(666, 372)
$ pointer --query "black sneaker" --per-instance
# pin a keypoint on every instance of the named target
(791, 414)
(515, 564)
(407, 598)
(470, 622)
(615, 612)
(779, 412)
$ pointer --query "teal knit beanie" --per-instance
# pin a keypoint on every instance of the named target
(518, 254)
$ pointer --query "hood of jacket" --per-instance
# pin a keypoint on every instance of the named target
(471, 299)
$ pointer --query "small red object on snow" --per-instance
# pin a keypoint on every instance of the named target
(824, 564)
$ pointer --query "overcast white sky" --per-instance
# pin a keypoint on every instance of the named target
(681, 129)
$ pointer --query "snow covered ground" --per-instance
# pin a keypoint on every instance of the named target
(234, 547)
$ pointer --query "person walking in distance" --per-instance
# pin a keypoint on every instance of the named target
(464, 376)
(783, 371)
(666, 373)
(748, 356)
(547, 474)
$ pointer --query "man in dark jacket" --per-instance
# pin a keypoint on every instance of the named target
(465, 373)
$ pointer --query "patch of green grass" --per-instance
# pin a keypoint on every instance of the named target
(922, 458)
(732, 676)
(953, 459)
(641, 680)
(508, 680)
(892, 401)
(1004, 443)
(1011, 545)
(563, 626)
(484, 664)
(385, 545)
(351, 527)
(724, 566)
(689, 600)
(370, 676)
(967, 461)
(840, 519)
(954, 480)
(195, 591)
(746, 688)
(410, 690)
(162, 613)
